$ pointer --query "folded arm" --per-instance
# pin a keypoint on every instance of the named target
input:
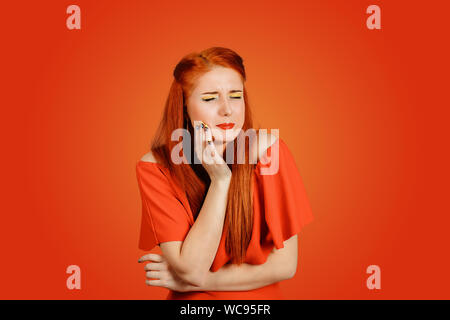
(281, 265)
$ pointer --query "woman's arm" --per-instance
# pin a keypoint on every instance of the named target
(281, 265)
(192, 258)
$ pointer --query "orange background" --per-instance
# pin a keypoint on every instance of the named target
(363, 111)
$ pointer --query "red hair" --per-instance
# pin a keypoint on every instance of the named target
(193, 177)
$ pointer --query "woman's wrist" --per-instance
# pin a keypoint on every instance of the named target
(221, 183)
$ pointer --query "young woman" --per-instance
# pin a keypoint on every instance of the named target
(226, 229)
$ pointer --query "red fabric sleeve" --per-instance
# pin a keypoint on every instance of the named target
(164, 217)
(286, 206)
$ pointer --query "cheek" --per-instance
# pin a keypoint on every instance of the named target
(197, 112)
(241, 113)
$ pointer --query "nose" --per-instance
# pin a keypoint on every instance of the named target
(225, 108)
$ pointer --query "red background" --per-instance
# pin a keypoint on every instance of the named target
(364, 112)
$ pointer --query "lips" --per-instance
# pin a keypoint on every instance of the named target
(226, 126)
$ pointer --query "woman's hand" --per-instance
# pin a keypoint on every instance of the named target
(206, 152)
(164, 275)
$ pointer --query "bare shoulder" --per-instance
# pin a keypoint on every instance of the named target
(265, 140)
(149, 157)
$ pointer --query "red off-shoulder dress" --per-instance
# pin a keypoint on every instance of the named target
(280, 210)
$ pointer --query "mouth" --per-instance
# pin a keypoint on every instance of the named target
(226, 126)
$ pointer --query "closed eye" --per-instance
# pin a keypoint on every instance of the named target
(232, 96)
(208, 98)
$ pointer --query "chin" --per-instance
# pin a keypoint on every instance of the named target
(226, 138)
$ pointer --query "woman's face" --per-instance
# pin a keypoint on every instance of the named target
(218, 98)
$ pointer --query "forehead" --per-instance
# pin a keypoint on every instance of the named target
(218, 78)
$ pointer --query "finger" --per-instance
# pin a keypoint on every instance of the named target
(209, 144)
(156, 283)
(156, 266)
(153, 274)
(199, 138)
(208, 135)
(209, 153)
(151, 257)
(218, 159)
(149, 266)
(215, 157)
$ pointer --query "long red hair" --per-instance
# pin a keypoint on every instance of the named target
(193, 177)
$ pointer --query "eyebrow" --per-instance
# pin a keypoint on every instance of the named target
(215, 92)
